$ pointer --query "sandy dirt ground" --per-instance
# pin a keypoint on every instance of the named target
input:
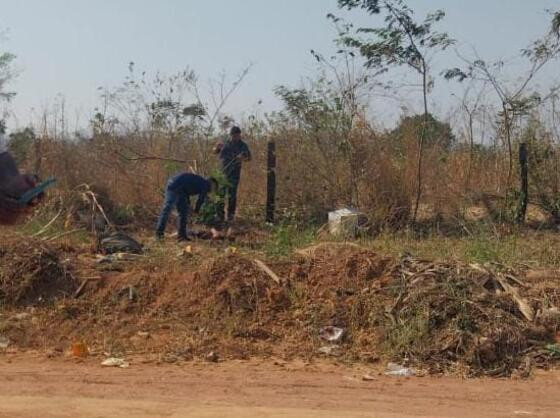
(36, 386)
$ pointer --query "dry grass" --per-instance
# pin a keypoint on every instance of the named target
(521, 248)
(316, 172)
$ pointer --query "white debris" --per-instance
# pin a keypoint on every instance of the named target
(115, 362)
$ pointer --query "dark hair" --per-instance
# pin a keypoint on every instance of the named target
(235, 130)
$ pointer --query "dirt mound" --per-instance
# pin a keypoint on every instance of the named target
(452, 317)
(441, 317)
(336, 265)
(438, 316)
(32, 273)
(236, 285)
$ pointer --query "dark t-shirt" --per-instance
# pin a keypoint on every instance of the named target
(190, 184)
(231, 165)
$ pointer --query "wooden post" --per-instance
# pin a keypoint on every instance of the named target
(271, 181)
(524, 186)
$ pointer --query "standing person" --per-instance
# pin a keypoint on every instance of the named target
(232, 153)
(177, 193)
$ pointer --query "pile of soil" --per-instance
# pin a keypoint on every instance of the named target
(32, 273)
(440, 317)
(235, 285)
(453, 317)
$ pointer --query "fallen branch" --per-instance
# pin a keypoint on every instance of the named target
(268, 271)
(48, 225)
(524, 307)
(310, 251)
(96, 204)
(62, 234)
(515, 280)
(153, 158)
(83, 285)
(544, 274)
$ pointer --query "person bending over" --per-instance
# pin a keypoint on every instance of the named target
(178, 191)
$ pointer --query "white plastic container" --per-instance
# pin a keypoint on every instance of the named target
(345, 222)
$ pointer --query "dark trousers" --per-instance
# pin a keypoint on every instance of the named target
(181, 202)
(229, 192)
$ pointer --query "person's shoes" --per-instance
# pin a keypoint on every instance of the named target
(159, 237)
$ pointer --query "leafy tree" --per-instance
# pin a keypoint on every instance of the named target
(20, 143)
(435, 133)
(402, 41)
(6, 74)
(320, 112)
(172, 106)
(317, 109)
(519, 100)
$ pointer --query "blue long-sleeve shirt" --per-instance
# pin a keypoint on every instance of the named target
(190, 184)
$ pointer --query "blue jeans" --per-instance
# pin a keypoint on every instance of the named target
(181, 202)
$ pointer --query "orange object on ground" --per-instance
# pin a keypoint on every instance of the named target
(79, 349)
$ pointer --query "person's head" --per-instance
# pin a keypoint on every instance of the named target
(235, 133)
(213, 184)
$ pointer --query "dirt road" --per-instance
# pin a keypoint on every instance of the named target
(34, 386)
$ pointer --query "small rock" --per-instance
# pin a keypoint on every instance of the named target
(115, 362)
(331, 333)
(216, 234)
(143, 334)
(52, 353)
(394, 369)
(213, 357)
(231, 250)
(4, 342)
(170, 358)
(186, 252)
(231, 233)
(329, 350)
(368, 378)
(101, 259)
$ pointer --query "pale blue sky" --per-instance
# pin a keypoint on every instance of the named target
(72, 47)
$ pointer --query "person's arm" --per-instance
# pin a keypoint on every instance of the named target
(200, 201)
(218, 147)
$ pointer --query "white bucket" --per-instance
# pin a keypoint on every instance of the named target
(345, 222)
